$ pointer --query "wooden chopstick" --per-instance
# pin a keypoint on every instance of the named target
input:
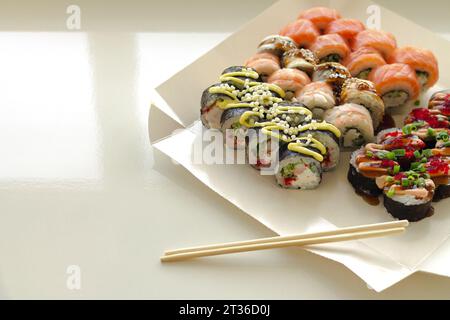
(367, 227)
(282, 244)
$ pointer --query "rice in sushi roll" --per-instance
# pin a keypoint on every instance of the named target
(276, 44)
(354, 122)
(362, 61)
(396, 83)
(363, 92)
(317, 97)
(330, 48)
(302, 59)
(299, 170)
(214, 99)
(290, 80)
(421, 60)
(407, 195)
(235, 133)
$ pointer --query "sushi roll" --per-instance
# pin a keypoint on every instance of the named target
(386, 133)
(427, 118)
(276, 44)
(365, 168)
(346, 28)
(299, 166)
(362, 61)
(354, 122)
(383, 42)
(264, 63)
(396, 83)
(317, 97)
(440, 101)
(438, 169)
(240, 76)
(328, 135)
(330, 48)
(407, 195)
(321, 17)
(363, 92)
(214, 99)
(290, 80)
(261, 149)
(302, 31)
(421, 60)
(302, 59)
(332, 73)
(234, 131)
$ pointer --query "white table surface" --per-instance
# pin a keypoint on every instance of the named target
(81, 185)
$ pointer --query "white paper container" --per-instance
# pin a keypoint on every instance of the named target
(379, 262)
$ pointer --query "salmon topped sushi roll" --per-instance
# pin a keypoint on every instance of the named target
(302, 31)
(320, 16)
(382, 41)
(330, 48)
(264, 63)
(290, 80)
(362, 61)
(396, 83)
(346, 28)
(421, 60)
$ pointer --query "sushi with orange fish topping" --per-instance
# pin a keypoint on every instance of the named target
(421, 60)
(320, 16)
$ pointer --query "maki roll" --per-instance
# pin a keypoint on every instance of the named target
(386, 133)
(330, 48)
(427, 118)
(354, 122)
(299, 166)
(302, 59)
(440, 101)
(234, 132)
(321, 17)
(214, 99)
(396, 83)
(317, 97)
(383, 42)
(332, 73)
(302, 31)
(328, 135)
(240, 76)
(264, 63)
(407, 195)
(290, 80)
(363, 92)
(346, 28)
(421, 60)
(261, 149)
(276, 44)
(364, 168)
(362, 61)
(438, 169)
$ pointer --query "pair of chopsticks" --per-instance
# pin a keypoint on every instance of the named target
(337, 235)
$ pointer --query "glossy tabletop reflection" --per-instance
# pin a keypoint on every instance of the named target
(80, 184)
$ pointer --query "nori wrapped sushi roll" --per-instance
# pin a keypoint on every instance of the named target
(362, 184)
(214, 99)
(407, 195)
(235, 133)
(298, 171)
